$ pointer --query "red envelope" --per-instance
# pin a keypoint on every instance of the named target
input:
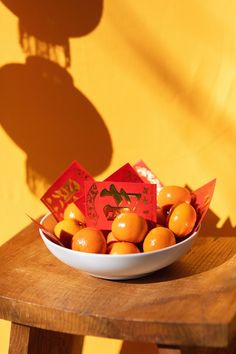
(125, 174)
(202, 199)
(69, 187)
(47, 233)
(147, 175)
(105, 200)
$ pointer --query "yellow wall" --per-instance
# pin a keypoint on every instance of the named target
(160, 82)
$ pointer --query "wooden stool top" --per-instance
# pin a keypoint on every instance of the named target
(192, 302)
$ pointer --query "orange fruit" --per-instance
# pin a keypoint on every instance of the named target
(182, 219)
(158, 238)
(111, 238)
(89, 240)
(65, 229)
(129, 227)
(73, 212)
(122, 247)
(170, 195)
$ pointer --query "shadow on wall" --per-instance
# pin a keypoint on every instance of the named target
(40, 108)
(209, 226)
(45, 26)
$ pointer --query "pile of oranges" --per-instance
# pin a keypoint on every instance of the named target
(130, 232)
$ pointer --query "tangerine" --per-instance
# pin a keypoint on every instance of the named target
(111, 238)
(129, 227)
(182, 219)
(170, 195)
(65, 229)
(158, 238)
(73, 212)
(89, 240)
(122, 247)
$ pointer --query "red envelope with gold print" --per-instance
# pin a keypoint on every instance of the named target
(68, 188)
(125, 174)
(105, 200)
(202, 199)
(147, 175)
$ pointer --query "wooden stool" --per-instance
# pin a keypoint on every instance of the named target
(189, 305)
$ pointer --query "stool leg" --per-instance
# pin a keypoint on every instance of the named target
(31, 340)
(19, 339)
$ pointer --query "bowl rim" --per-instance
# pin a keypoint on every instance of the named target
(141, 254)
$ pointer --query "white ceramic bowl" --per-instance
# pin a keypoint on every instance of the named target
(116, 267)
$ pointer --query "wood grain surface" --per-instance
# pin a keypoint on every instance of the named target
(190, 303)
